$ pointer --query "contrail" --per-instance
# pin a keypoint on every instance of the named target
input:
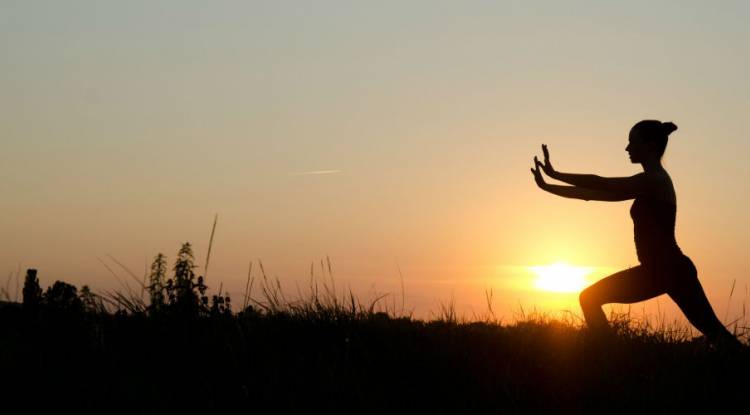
(305, 173)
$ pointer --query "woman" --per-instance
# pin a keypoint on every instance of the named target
(663, 267)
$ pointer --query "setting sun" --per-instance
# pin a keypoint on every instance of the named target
(560, 277)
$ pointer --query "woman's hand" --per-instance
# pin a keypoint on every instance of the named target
(538, 174)
(547, 166)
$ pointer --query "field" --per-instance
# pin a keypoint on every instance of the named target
(181, 351)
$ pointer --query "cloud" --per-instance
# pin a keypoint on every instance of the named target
(307, 173)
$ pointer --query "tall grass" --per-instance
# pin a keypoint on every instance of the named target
(325, 350)
(323, 302)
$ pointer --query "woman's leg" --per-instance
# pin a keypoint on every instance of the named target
(627, 286)
(688, 294)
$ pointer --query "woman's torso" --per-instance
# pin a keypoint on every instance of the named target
(654, 216)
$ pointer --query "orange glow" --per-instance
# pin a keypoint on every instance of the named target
(560, 277)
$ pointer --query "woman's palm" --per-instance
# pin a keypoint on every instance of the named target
(547, 166)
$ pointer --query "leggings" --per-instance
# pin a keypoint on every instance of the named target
(675, 276)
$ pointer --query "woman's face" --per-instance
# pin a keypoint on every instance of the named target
(636, 148)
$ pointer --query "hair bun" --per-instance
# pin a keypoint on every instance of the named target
(668, 127)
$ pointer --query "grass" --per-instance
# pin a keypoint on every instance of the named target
(326, 352)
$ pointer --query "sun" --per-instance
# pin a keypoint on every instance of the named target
(561, 277)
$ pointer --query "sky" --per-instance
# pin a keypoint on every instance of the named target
(394, 138)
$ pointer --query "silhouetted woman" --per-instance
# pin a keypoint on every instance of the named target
(663, 267)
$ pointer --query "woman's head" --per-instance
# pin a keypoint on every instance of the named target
(648, 138)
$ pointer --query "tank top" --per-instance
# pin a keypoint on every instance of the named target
(653, 229)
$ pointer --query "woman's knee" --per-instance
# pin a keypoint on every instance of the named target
(587, 298)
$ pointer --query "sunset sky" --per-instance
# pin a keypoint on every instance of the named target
(386, 135)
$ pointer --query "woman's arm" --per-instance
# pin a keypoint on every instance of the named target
(575, 192)
(583, 180)
(584, 193)
(628, 187)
